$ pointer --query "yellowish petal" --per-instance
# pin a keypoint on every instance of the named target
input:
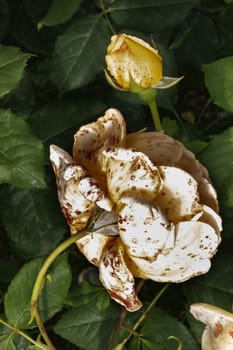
(89, 141)
(116, 276)
(179, 197)
(208, 194)
(218, 334)
(159, 147)
(164, 150)
(210, 217)
(129, 57)
(131, 172)
(195, 245)
(144, 229)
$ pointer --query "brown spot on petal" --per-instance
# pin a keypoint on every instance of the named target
(218, 328)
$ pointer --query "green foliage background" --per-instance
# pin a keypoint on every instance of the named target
(52, 82)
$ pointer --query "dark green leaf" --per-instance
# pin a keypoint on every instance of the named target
(200, 43)
(217, 157)
(212, 289)
(18, 296)
(12, 64)
(63, 114)
(37, 226)
(219, 82)
(7, 269)
(90, 324)
(7, 342)
(21, 154)
(145, 344)
(150, 15)
(79, 53)
(159, 325)
(24, 18)
(4, 18)
(59, 12)
(225, 29)
(10, 340)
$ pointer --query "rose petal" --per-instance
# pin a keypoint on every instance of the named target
(209, 216)
(131, 172)
(159, 147)
(92, 246)
(90, 189)
(195, 245)
(218, 334)
(143, 228)
(208, 194)
(89, 141)
(76, 208)
(179, 197)
(164, 150)
(116, 277)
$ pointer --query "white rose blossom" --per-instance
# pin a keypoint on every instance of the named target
(218, 333)
(158, 209)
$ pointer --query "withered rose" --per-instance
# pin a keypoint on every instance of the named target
(218, 334)
(147, 201)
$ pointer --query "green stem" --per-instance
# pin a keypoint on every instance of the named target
(22, 334)
(40, 280)
(149, 307)
(149, 96)
(145, 313)
(155, 114)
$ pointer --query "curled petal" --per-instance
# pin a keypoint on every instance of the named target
(76, 208)
(208, 194)
(78, 193)
(144, 229)
(195, 245)
(116, 276)
(131, 172)
(218, 334)
(209, 216)
(107, 132)
(164, 150)
(179, 196)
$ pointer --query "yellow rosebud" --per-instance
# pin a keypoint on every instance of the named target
(132, 64)
(129, 57)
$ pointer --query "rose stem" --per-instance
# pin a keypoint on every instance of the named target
(41, 279)
(149, 96)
